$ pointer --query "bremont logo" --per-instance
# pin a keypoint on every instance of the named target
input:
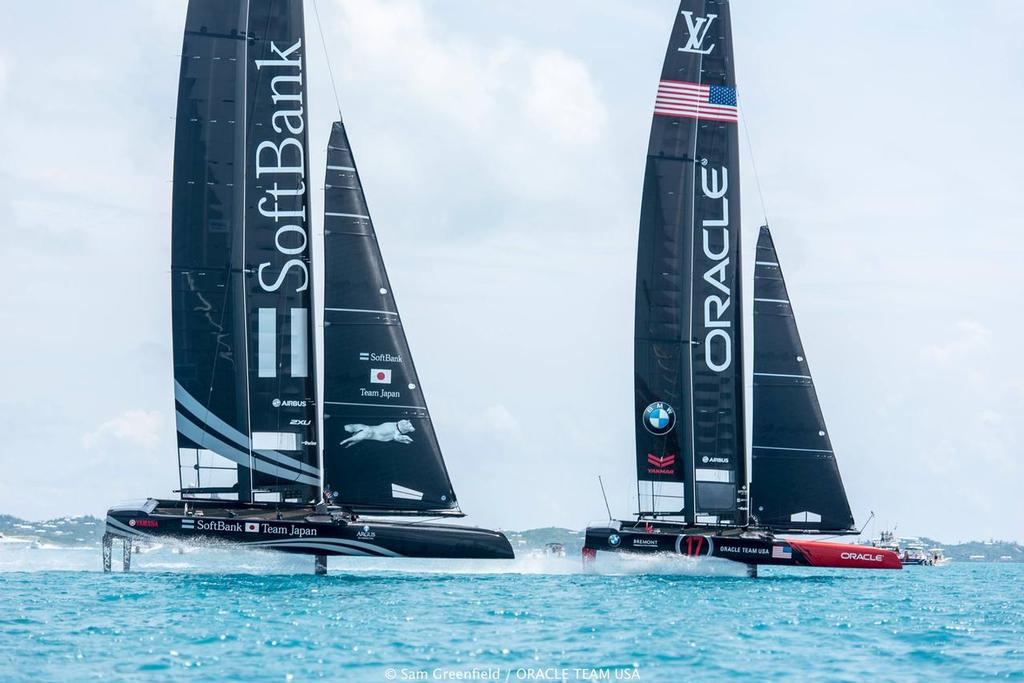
(698, 30)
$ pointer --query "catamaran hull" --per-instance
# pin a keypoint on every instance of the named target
(749, 550)
(259, 528)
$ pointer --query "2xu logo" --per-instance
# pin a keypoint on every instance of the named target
(698, 31)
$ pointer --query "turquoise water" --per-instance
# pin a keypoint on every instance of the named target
(241, 616)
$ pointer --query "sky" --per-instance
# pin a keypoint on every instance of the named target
(501, 147)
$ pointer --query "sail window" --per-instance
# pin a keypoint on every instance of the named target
(266, 340)
(405, 493)
(202, 468)
(715, 496)
(300, 342)
(723, 476)
(805, 517)
(663, 497)
(275, 441)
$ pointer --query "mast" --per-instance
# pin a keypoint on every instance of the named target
(380, 449)
(242, 328)
(796, 484)
(688, 333)
(278, 257)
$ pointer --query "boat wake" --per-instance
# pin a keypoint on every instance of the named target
(231, 559)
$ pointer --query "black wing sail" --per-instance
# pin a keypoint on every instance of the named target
(239, 430)
(208, 316)
(795, 483)
(279, 277)
(688, 334)
(380, 450)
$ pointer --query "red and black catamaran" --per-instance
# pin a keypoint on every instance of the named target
(695, 494)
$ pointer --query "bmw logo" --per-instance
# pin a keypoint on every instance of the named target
(659, 418)
(614, 540)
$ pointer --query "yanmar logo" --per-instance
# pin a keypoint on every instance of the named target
(665, 464)
(152, 523)
(863, 557)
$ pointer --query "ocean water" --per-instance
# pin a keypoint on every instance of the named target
(217, 614)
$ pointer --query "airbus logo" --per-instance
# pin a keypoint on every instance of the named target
(698, 31)
(278, 403)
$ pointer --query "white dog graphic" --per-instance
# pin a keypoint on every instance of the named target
(386, 431)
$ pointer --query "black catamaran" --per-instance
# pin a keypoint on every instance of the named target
(691, 456)
(255, 466)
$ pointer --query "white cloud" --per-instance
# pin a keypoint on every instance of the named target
(970, 337)
(562, 100)
(141, 428)
(503, 110)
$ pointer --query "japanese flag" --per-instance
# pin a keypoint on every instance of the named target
(378, 376)
(252, 527)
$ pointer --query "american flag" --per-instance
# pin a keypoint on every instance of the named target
(696, 101)
(782, 552)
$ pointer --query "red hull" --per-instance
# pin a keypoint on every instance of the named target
(751, 550)
(823, 554)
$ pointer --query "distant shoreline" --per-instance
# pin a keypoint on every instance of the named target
(88, 530)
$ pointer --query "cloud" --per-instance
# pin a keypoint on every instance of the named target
(497, 420)
(476, 115)
(970, 337)
(563, 100)
(141, 428)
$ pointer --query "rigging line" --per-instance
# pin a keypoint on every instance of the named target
(753, 163)
(330, 71)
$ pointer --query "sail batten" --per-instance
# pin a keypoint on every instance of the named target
(380, 449)
(795, 480)
(688, 336)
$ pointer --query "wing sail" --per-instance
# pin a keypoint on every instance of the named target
(689, 398)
